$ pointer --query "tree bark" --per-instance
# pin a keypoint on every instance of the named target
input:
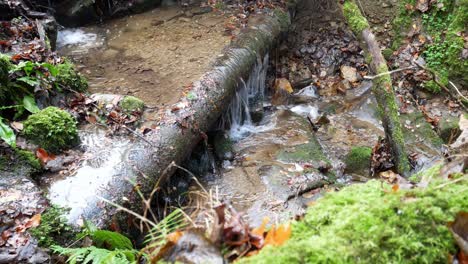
(382, 86)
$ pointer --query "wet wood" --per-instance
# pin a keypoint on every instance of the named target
(382, 89)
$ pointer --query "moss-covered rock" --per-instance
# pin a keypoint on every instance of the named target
(223, 146)
(52, 129)
(68, 77)
(131, 104)
(449, 129)
(358, 160)
(370, 223)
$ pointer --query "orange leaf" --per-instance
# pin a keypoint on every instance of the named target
(261, 229)
(395, 187)
(174, 236)
(33, 222)
(277, 236)
(43, 156)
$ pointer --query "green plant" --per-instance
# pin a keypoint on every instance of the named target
(108, 248)
(7, 134)
(52, 129)
(69, 78)
(53, 224)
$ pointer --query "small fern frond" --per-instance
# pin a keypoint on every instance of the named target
(171, 223)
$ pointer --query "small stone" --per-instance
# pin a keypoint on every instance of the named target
(349, 73)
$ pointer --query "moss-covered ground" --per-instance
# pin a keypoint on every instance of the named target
(371, 223)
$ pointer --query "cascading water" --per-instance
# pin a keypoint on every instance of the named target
(249, 98)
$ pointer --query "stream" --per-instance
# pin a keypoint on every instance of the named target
(267, 159)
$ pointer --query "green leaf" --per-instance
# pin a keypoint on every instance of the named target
(29, 80)
(30, 104)
(52, 69)
(111, 240)
(7, 134)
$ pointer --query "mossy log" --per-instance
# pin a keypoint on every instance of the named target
(382, 86)
(147, 161)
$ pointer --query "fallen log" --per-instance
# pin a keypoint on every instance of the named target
(145, 163)
(382, 86)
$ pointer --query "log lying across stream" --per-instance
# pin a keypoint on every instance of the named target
(147, 161)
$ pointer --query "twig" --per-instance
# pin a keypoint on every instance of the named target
(451, 182)
(458, 91)
(146, 220)
(388, 73)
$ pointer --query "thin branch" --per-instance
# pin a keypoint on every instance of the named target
(458, 91)
(388, 73)
(146, 220)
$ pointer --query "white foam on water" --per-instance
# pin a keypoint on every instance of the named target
(306, 111)
(78, 37)
(309, 91)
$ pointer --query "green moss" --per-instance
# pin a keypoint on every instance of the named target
(69, 78)
(131, 104)
(419, 129)
(52, 129)
(53, 227)
(29, 158)
(358, 160)
(369, 223)
(387, 53)
(283, 18)
(309, 152)
(402, 22)
(356, 21)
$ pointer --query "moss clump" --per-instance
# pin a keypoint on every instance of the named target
(53, 226)
(52, 129)
(419, 129)
(370, 223)
(68, 77)
(358, 160)
(131, 104)
(29, 158)
(356, 21)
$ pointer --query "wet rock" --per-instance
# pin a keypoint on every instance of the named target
(194, 248)
(223, 147)
(349, 73)
(449, 129)
(283, 91)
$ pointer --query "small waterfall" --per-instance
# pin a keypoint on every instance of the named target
(249, 97)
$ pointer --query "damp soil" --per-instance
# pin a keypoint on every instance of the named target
(153, 55)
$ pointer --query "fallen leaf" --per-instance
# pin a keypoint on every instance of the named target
(43, 156)
(33, 221)
(278, 236)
